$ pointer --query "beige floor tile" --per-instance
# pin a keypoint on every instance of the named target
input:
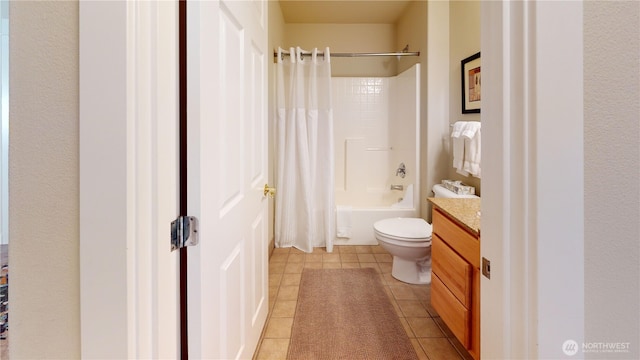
(335, 258)
(351, 265)
(313, 258)
(278, 328)
(296, 258)
(288, 293)
(464, 353)
(284, 308)
(425, 327)
(274, 279)
(389, 279)
(277, 267)
(427, 305)
(371, 265)
(313, 265)
(396, 308)
(296, 251)
(443, 327)
(331, 265)
(439, 349)
(280, 251)
(407, 328)
(273, 293)
(293, 268)
(403, 292)
(349, 257)
(412, 308)
(363, 249)
(273, 349)
(366, 258)
(319, 250)
(422, 291)
(383, 258)
(291, 279)
(377, 249)
(279, 257)
(347, 249)
(419, 350)
(387, 291)
(386, 268)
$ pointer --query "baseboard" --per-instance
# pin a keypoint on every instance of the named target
(272, 245)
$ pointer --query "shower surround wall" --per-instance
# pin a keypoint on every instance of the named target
(376, 127)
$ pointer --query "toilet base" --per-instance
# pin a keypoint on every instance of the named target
(412, 271)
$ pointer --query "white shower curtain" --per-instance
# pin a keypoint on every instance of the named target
(305, 216)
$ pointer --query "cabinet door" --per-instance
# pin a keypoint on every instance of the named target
(454, 314)
(453, 271)
(457, 238)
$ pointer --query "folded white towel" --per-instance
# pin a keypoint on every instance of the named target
(343, 221)
(458, 127)
(472, 140)
(458, 147)
(470, 129)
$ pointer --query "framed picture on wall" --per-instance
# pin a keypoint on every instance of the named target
(471, 84)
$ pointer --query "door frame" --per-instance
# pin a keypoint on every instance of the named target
(120, 217)
(128, 179)
(532, 55)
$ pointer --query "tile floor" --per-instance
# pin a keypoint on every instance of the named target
(429, 336)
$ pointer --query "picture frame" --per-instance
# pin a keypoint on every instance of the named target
(471, 84)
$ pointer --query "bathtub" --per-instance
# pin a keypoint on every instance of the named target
(362, 218)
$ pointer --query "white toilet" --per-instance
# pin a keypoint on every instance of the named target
(409, 241)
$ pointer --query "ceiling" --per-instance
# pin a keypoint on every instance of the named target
(342, 12)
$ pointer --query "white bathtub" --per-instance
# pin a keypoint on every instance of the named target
(363, 218)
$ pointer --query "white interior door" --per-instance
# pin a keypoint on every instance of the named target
(227, 161)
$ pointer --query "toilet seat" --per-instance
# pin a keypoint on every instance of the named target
(404, 229)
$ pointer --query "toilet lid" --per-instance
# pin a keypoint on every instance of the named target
(407, 228)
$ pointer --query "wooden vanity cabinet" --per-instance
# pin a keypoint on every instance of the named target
(455, 284)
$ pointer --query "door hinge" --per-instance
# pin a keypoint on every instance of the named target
(184, 232)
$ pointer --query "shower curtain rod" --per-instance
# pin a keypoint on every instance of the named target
(308, 53)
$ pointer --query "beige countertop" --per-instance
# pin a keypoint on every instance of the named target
(465, 211)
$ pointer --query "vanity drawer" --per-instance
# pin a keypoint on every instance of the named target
(455, 273)
(457, 238)
(454, 314)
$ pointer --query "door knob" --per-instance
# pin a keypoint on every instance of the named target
(269, 191)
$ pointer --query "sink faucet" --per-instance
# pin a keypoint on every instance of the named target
(401, 171)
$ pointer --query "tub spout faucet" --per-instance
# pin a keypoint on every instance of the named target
(397, 187)
(401, 171)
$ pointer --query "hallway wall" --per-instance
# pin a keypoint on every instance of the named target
(464, 35)
(611, 189)
(43, 181)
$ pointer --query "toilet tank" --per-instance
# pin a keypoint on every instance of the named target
(442, 192)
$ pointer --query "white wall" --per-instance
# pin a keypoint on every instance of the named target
(44, 205)
(464, 41)
(412, 29)
(611, 173)
(435, 135)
